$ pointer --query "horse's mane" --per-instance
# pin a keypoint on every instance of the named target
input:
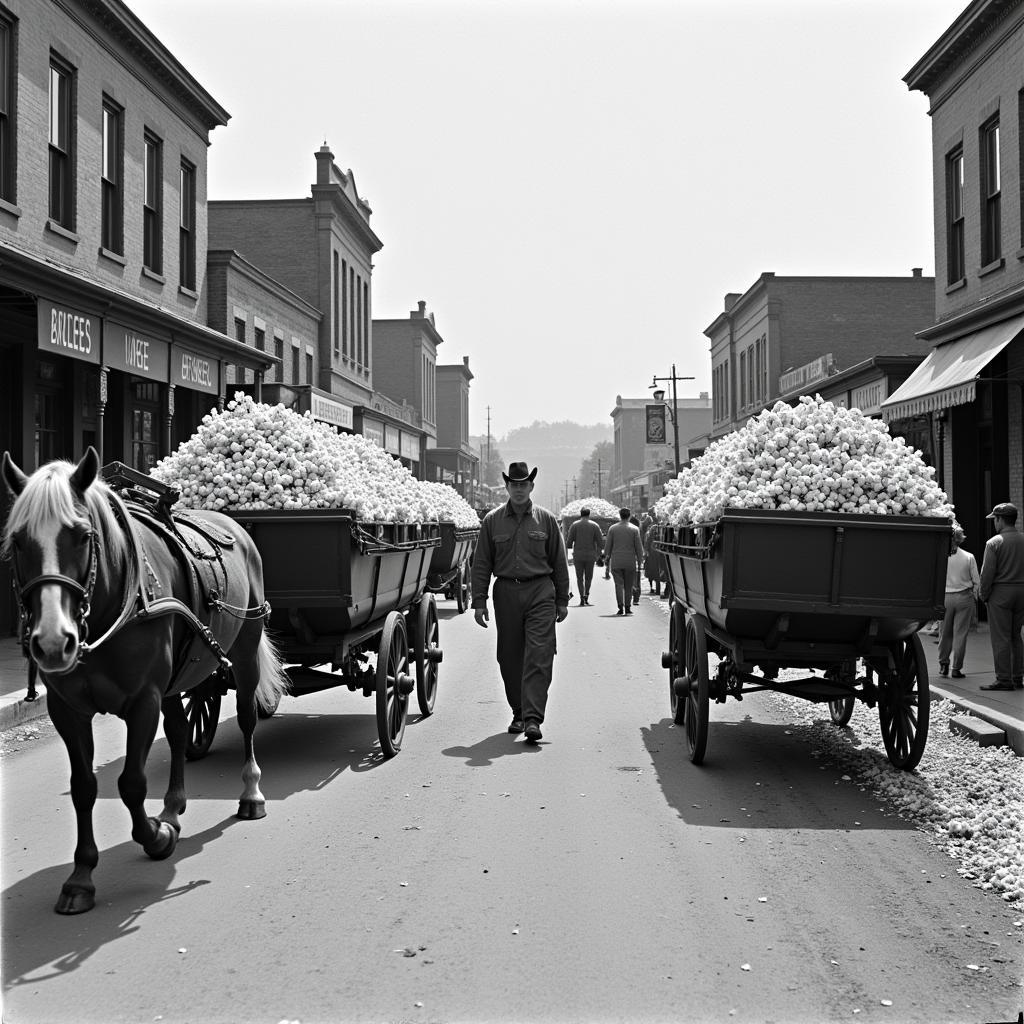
(48, 500)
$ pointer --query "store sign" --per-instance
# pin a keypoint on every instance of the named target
(656, 424)
(869, 398)
(410, 447)
(392, 439)
(195, 370)
(70, 332)
(806, 374)
(329, 411)
(136, 353)
(374, 431)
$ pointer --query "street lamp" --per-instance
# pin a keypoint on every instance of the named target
(659, 396)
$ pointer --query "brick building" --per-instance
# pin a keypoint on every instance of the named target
(103, 334)
(455, 459)
(969, 388)
(785, 336)
(642, 461)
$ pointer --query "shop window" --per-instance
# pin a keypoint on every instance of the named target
(991, 191)
(152, 205)
(187, 226)
(8, 179)
(955, 216)
(49, 414)
(145, 429)
(111, 191)
(62, 185)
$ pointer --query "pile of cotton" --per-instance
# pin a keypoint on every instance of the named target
(599, 508)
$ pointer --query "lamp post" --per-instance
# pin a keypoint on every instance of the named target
(659, 395)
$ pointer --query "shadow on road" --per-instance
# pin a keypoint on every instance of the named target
(490, 749)
(758, 775)
(40, 945)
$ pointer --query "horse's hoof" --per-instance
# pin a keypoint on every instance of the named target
(74, 901)
(163, 843)
(252, 810)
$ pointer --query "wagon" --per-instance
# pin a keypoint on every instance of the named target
(349, 607)
(822, 592)
(450, 571)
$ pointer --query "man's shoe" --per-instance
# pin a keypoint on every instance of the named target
(944, 669)
(957, 674)
(619, 612)
(533, 733)
(629, 611)
(516, 725)
(997, 686)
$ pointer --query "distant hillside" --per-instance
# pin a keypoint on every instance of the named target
(556, 449)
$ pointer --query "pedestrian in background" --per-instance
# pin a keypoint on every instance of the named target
(587, 542)
(654, 560)
(521, 545)
(1002, 589)
(624, 554)
(962, 582)
(640, 568)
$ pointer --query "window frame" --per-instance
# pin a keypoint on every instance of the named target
(990, 183)
(152, 203)
(956, 267)
(61, 169)
(8, 108)
(112, 189)
(187, 231)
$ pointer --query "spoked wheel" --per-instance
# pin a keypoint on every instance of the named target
(393, 684)
(426, 649)
(695, 701)
(841, 709)
(903, 704)
(675, 659)
(202, 709)
(463, 589)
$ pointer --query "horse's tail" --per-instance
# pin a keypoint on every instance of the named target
(273, 682)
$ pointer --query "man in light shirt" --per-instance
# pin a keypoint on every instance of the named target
(962, 582)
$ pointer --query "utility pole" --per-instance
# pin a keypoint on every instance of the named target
(488, 475)
(599, 472)
(674, 411)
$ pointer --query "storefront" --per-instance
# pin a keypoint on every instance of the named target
(392, 426)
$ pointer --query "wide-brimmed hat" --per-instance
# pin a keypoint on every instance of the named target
(1003, 509)
(517, 473)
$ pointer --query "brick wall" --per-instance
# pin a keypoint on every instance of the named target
(99, 69)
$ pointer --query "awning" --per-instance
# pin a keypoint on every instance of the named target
(949, 372)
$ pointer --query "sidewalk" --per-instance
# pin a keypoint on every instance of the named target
(1002, 708)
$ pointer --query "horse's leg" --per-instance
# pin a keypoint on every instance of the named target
(78, 894)
(176, 731)
(252, 804)
(157, 838)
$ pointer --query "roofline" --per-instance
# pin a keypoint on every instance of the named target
(233, 258)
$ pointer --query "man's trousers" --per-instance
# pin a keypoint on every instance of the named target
(953, 638)
(624, 581)
(524, 617)
(584, 576)
(1005, 620)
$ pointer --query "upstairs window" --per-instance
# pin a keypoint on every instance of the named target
(152, 206)
(187, 226)
(62, 191)
(7, 120)
(991, 226)
(955, 216)
(111, 192)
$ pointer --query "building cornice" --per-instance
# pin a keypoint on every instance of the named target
(981, 314)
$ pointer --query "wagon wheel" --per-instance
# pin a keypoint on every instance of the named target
(202, 709)
(696, 698)
(841, 709)
(675, 658)
(427, 652)
(393, 684)
(903, 704)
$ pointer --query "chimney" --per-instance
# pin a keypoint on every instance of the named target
(731, 299)
(324, 159)
(915, 271)
(465, 362)
(420, 311)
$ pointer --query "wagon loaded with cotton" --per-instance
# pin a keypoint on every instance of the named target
(451, 564)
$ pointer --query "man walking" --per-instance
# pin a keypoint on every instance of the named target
(521, 545)
(624, 554)
(587, 542)
(1002, 589)
(961, 591)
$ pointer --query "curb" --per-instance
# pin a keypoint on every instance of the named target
(1013, 729)
(21, 711)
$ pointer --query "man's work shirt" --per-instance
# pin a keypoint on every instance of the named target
(1003, 563)
(519, 547)
(586, 539)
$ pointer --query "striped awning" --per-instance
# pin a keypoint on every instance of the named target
(949, 372)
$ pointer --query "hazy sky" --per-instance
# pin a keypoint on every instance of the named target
(573, 187)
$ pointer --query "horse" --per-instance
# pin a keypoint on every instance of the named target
(121, 613)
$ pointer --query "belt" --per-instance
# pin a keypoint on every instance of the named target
(523, 579)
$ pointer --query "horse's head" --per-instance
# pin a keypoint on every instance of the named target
(51, 539)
